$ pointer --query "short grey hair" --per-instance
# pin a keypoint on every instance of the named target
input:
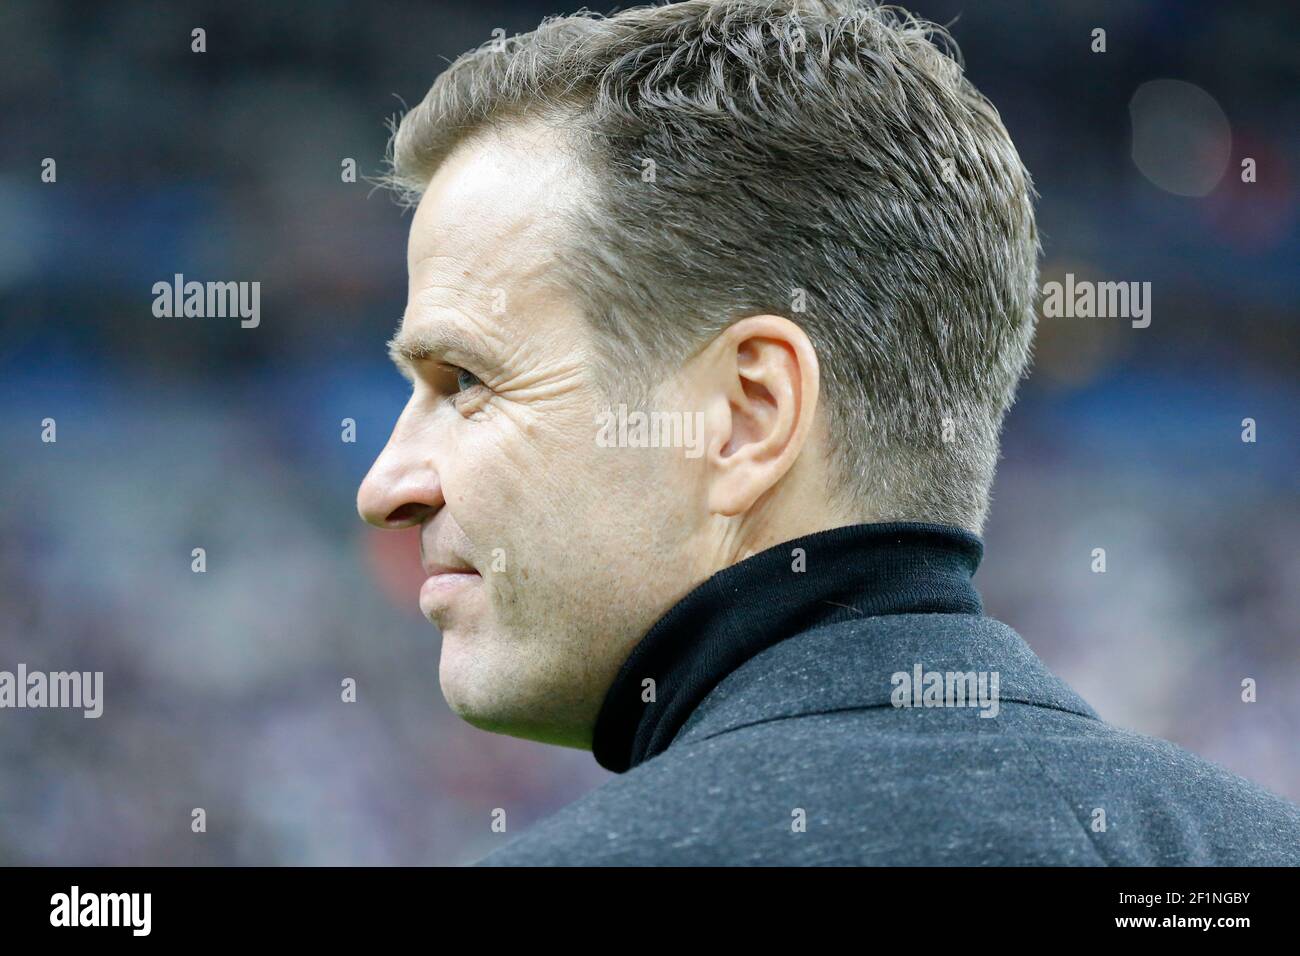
(826, 160)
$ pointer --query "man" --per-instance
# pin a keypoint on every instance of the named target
(715, 310)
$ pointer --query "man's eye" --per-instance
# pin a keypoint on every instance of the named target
(466, 380)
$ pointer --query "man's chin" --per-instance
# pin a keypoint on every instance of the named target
(469, 687)
(490, 705)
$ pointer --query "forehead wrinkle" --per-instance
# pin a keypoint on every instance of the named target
(516, 269)
(474, 331)
(448, 286)
(446, 280)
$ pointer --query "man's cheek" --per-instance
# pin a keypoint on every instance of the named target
(493, 502)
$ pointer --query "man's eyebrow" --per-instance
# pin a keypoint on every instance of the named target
(406, 348)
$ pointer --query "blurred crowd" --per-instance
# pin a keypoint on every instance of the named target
(222, 689)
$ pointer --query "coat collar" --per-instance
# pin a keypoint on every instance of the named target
(853, 666)
(856, 573)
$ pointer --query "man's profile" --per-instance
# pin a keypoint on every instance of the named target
(796, 232)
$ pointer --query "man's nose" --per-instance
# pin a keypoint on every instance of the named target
(402, 489)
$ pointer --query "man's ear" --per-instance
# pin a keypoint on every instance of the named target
(764, 383)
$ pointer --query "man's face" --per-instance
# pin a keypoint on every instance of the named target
(562, 552)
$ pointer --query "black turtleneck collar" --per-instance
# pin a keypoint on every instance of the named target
(860, 570)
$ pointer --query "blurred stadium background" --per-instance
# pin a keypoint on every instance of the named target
(222, 689)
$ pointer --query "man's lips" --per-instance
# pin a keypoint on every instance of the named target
(437, 570)
(442, 583)
(443, 576)
(445, 580)
(447, 572)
